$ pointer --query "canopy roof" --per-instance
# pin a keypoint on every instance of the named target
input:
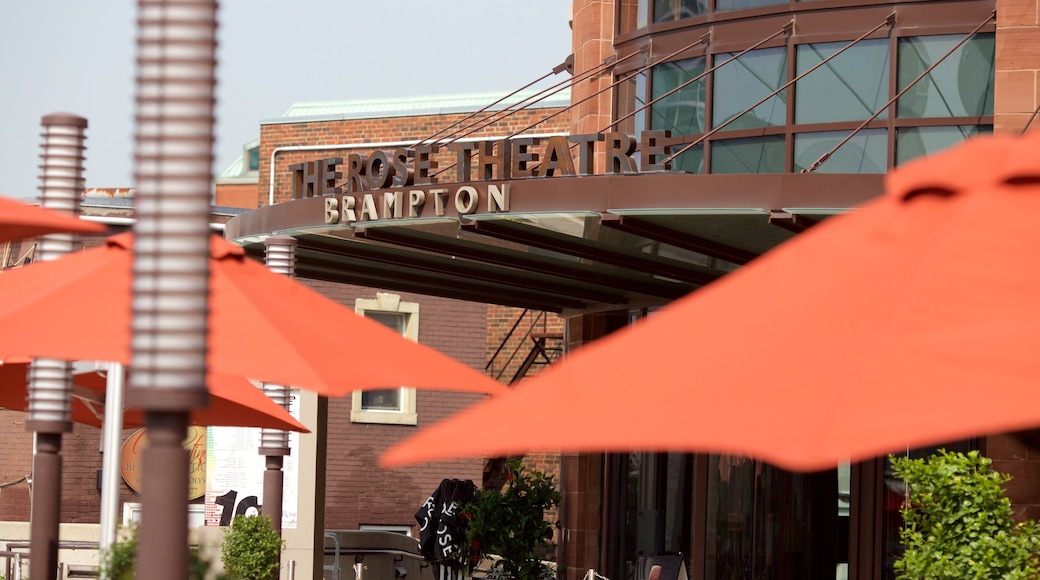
(567, 244)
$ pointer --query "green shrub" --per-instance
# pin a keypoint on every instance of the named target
(117, 561)
(251, 549)
(958, 522)
(511, 524)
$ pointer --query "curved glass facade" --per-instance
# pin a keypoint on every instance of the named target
(830, 93)
(826, 101)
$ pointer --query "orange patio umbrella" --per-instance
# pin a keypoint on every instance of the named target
(912, 321)
(20, 220)
(234, 402)
(263, 325)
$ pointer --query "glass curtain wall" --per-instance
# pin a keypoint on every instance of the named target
(734, 517)
(839, 121)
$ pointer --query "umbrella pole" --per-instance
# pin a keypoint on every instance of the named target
(46, 505)
(113, 435)
(173, 177)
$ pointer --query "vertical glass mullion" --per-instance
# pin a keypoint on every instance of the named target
(709, 105)
(893, 88)
(792, 94)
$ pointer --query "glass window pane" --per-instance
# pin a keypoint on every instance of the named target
(849, 87)
(754, 155)
(682, 112)
(691, 161)
(960, 86)
(914, 142)
(745, 81)
(670, 10)
(384, 399)
(254, 159)
(865, 152)
(631, 15)
(724, 5)
(764, 522)
(631, 98)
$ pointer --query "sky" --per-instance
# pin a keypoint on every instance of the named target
(77, 56)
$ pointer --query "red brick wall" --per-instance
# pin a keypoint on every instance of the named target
(81, 460)
(357, 491)
(241, 195)
(506, 352)
(1016, 95)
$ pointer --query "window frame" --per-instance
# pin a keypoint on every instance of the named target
(407, 415)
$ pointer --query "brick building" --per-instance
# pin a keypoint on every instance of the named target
(762, 149)
(357, 495)
(770, 145)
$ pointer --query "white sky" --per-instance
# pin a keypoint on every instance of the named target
(77, 56)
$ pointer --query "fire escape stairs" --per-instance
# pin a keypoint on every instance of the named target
(546, 347)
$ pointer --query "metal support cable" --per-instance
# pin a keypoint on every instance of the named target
(888, 21)
(1031, 117)
(473, 128)
(642, 69)
(785, 29)
(823, 158)
(556, 70)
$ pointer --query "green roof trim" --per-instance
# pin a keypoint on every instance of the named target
(417, 106)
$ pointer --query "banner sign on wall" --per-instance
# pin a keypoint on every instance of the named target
(235, 473)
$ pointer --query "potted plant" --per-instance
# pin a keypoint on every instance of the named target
(508, 525)
(251, 549)
(958, 521)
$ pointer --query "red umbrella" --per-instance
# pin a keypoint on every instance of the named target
(262, 325)
(20, 220)
(912, 321)
(234, 402)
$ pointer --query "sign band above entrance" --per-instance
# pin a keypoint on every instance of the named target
(403, 183)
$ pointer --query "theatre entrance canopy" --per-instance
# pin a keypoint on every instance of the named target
(567, 243)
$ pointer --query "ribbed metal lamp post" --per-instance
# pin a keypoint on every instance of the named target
(50, 380)
(173, 155)
(274, 443)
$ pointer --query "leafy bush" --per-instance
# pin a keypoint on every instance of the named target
(511, 524)
(251, 549)
(958, 522)
(117, 561)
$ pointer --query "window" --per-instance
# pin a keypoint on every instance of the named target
(865, 152)
(850, 87)
(726, 5)
(960, 86)
(681, 112)
(751, 155)
(390, 406)
(670, 10)
(744, 82)
(914, 142)
(253, 158)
